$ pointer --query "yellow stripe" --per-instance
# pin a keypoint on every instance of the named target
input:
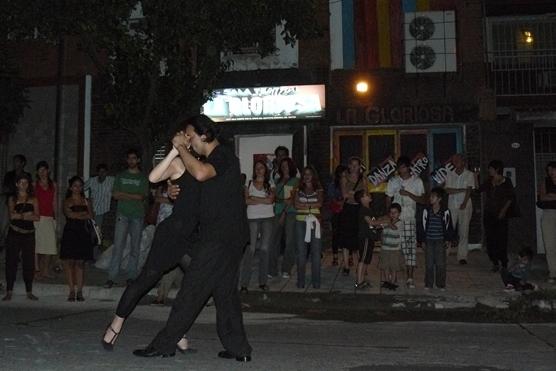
(383, 26)
(423, 5)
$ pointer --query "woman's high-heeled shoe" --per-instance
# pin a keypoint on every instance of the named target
(109, 346)
(79, 296)
(71, 296)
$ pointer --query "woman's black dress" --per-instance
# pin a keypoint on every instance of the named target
(76, 240)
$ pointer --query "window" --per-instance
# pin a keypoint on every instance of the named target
(521, 55)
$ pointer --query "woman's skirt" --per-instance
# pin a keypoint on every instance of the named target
(45, 236)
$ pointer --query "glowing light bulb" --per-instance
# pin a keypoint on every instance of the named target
(362, 87)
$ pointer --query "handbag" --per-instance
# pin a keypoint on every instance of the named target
(94, 232)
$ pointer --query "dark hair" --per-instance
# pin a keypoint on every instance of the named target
(359, 195)
(314, 181)
(440, 192)
(45, 165)
(21, 158)
(497, 165)
(266, 181)
(102, 166)
(281, 148)
(26, 176)
(340, 169)
(551, 164)
(403, 160)
(202, 125)
(526, 252)
(396, 206)
(72, 180)
(292, 171)
(133, 151)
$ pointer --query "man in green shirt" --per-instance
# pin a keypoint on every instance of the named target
(130, 190)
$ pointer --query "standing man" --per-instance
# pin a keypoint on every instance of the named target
(407, 190)
(459, 184)
(9, 189)
(224, 232)
(130, 190)
(101, 193)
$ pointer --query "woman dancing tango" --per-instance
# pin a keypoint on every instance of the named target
(172, 243)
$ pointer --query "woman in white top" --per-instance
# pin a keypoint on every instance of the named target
(259, 197)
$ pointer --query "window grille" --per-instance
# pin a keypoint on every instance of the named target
(521, 55)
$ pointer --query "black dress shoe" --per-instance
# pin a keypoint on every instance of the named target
(228, 355)
(152, 352)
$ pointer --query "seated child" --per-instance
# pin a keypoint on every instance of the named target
(515, 277)
(367, 234)
(391, 258)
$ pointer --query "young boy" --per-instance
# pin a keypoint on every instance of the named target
(368, 234)
(438, 231)
(515, 278)
(391, 259)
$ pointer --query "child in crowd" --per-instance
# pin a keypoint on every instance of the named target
(515, 278)
(438, 231)
(391, 259)
(368, 234)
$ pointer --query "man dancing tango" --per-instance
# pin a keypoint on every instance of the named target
(224, 232)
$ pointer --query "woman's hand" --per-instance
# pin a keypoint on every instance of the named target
(173, 190)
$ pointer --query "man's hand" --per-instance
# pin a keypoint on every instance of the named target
(173, 190)
(403, 192)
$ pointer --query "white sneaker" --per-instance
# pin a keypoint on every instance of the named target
(410, 284)
(285, 275)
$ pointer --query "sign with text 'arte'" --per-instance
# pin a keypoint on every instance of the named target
(264, 103)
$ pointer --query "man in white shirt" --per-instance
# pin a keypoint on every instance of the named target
(407, 190)
(459, 184)
(100, 188)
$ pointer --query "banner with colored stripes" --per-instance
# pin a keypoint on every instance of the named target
(368, 34)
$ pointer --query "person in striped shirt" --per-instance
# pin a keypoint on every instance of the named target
(391, 258)
(100, 188)
(436, 227)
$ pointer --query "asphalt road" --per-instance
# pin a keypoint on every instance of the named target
(52, 334)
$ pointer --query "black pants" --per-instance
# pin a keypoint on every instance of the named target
(214, 271)
(334, 225)
(496, 231)
(168, 250)
(20, 246)
(366, 247)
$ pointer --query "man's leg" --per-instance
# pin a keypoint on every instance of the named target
(120, 235)
(135, 231)
(463, 231)
(198, 283)
(229, 319)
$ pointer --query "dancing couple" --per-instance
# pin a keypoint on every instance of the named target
(205, 234)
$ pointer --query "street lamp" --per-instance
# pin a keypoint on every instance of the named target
(362, 87)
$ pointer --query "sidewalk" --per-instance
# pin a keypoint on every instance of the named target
(467, 285)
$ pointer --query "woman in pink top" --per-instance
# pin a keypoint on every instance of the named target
(45, 228)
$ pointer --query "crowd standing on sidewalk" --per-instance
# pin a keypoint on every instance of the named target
(288, 212)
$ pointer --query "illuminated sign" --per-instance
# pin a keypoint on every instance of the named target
(266, 103)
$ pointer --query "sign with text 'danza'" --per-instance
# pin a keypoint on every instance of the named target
(267, 103)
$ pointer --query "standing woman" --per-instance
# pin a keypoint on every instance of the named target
(548, 203)
(499, 193)
(20, 242)
(77, 245)
(259, 197)
(335, 204)
(348, 224)
(45, 228)
(308, 201)
(284, 222)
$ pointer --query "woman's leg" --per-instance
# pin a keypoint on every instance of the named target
(12, 259)
(28, 261)
(549, 238)
(291, 244)
(274, 248)
(267, 226)
(79, 274)
(316, 249)
(301, 253)
(490, 237)
(68, 270)
(502, 242)
(246, 261)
